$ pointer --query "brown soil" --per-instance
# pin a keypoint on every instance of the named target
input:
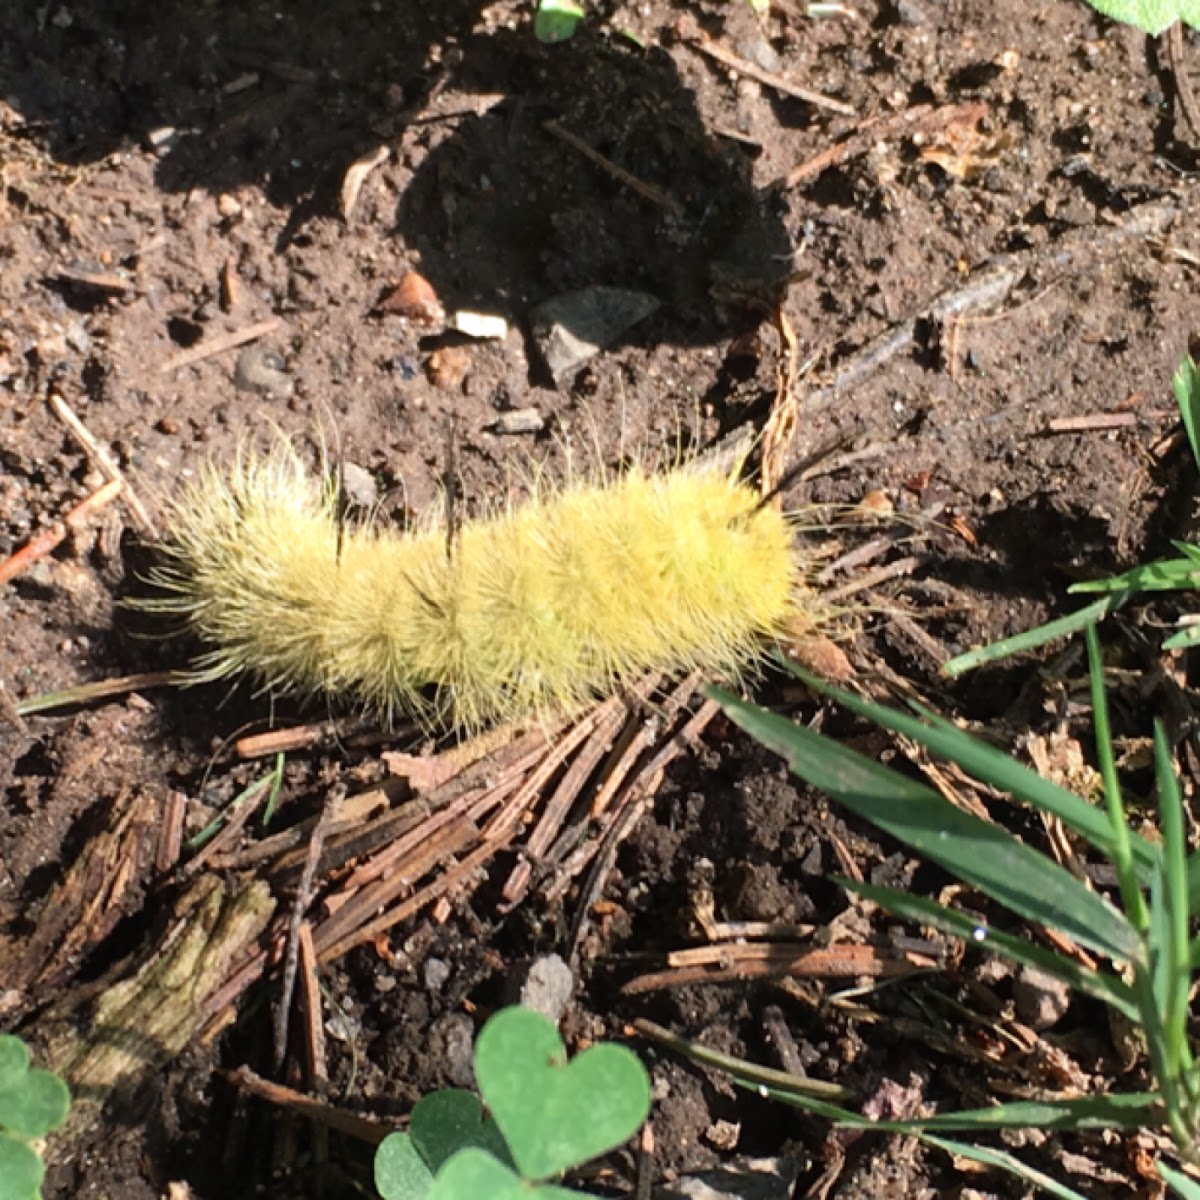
(150, 151)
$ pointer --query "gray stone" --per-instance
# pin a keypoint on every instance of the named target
(262, 370)
(572, 327)
(548, 987)
(358, 484)
(739, 1179)
(520, 420)
(1042, 1000)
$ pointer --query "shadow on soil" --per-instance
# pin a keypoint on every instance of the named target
(501, 209)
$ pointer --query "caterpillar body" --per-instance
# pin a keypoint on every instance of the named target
(532, 610)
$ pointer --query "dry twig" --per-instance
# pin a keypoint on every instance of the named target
(989, 287)
(648, 191)
(102, 459)
(219, 344)
(343, 1119)
(771, 79)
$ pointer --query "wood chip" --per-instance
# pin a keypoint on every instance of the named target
(1091, 422)
(104, 281)
(356, 176)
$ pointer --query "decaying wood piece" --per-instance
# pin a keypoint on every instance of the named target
(82, 909)
(140, 1023)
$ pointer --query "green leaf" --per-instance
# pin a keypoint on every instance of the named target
(556, 1115)
(991, 766)
(450, 1120)
(1154, 16)
(983, 855)
(1186, 384)
(32, 1102)
(556, 20)
(473, 1174)
(1107, 988)
(14, 1060)
(400, 1171)
(21, 1171)
(1185, 1186)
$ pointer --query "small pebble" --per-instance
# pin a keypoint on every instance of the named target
(160, 139)
(447, 366)
(413, 297)
(741, 1178)
(760, 52)
(453, 1037)
(520, 420)
(570, 328)
(78, 338)
(480, 325)
(1041, 999)
(436, 972)
(358, 485)
(405, 366)
(548, 987)
(723, 1135)
(261, 370)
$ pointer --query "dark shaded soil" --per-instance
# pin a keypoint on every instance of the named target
(171, 145)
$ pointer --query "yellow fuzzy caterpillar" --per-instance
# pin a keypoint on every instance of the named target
(533, 610)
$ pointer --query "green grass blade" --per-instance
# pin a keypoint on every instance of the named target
(245, 796)
(1186, 384)
(1122, 840)
(1007, 1162)
(1174, 949)
(1193, 882)
(1152, 984)
(748, 1074)
(1185, 639)
(1157, 939)
(983, 855)
(1104, 987)
(992, 766)
(1180, 1183)
(1168, 575)
(1189, 550)
(1123, 1110)
(1033, 638)
(276, 788)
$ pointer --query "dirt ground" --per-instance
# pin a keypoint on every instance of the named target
(980, 233)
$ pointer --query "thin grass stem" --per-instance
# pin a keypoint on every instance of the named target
(1122, 853)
